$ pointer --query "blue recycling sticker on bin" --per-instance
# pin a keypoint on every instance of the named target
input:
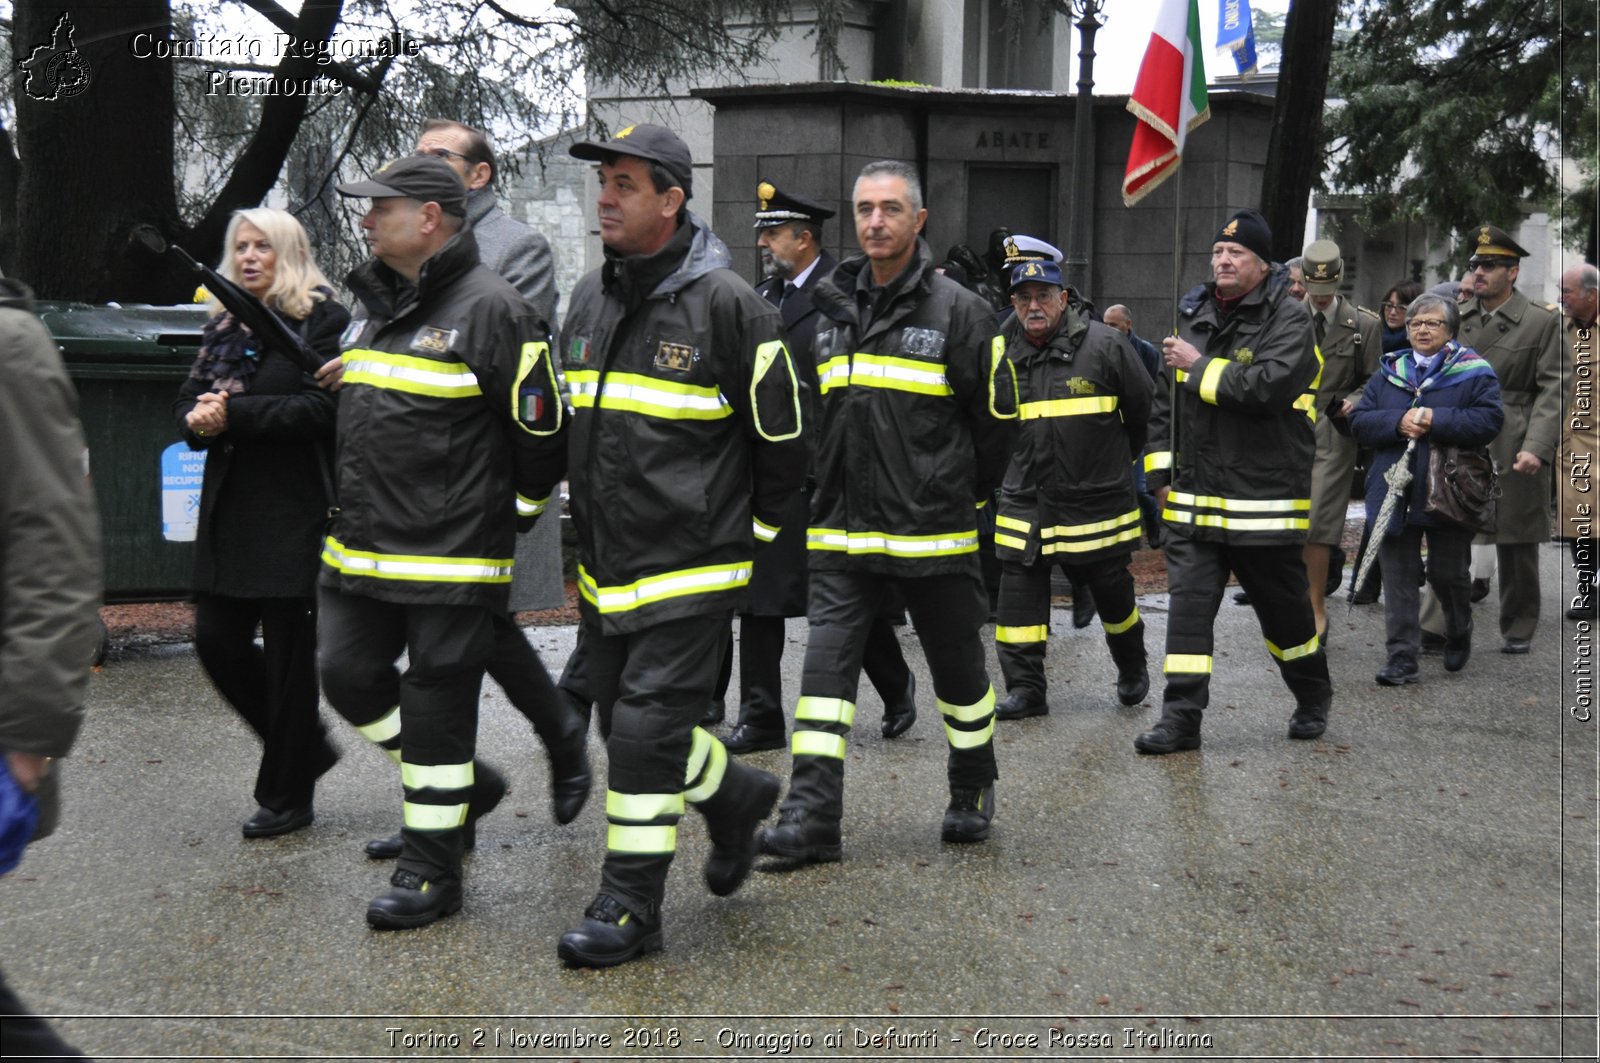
(182, 472)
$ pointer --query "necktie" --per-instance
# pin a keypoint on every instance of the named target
(788, 286)
(1322, 330)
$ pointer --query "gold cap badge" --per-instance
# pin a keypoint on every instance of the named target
(765, 191)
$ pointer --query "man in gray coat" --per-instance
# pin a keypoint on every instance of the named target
(49, 590)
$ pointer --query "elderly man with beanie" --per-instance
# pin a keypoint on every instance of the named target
(450, 436)
(687, 452)
(1067, 499)
(1231, 448)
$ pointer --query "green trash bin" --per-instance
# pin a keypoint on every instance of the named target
(127, 363)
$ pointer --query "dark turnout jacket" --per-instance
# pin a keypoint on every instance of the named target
(1082, 417)
(917, 404)
(687, 432)
(1243, 425)
(264, 502)
(450, 433)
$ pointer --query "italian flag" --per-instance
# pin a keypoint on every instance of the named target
(1169, 98)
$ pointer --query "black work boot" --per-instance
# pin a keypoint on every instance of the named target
(732, 815)
(898, 718)
(1133, 682)
(608, 935)
(801, 837)
(967, 818)
(1021, 703)
(488, 788)
(1178, 729)
(570, 777)
(414, 901)
(1309, 721)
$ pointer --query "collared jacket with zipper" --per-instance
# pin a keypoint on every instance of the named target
(450, 433)
(1083, 413)
(917, 405)
(1244, 423)
(686, 440)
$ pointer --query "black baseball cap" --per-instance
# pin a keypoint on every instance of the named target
(654, 143)
(421, 177)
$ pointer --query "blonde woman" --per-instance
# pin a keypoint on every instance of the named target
(267, 431)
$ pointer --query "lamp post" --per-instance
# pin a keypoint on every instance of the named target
(1082, 201)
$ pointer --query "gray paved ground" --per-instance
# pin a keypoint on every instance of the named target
(1419, 882)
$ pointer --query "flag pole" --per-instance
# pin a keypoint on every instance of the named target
(1177, 294)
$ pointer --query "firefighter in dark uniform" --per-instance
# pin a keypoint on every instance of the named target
(1231, 447)
(917, 404)
(789, 233)
(450, 436)
(687, 450)
(1084, 407)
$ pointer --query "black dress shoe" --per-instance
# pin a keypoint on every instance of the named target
(488, 787)
(609, 935)
(1432, 645)
(414, 901)
(1456, 652)
(570, 779)
(1398, 672)
(898, 718)
(748, 739)
(1517, 646)
(800, 838)
(269, 824)
(1133, 684)
(967, 818)
(733, 834)
(1241, 598)
(1480, 590)
(1177, 730)
(1365, 596)
(1021, 703)
(1309, 721)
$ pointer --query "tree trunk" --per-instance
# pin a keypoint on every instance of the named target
(94, 133)
(1294, 154)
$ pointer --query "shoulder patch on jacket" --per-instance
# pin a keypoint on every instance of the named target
(353, 332)
(578, 351)
(432, 340)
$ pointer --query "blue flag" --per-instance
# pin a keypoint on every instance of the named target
(1236, 33)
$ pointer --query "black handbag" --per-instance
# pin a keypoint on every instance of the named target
(1463, 487)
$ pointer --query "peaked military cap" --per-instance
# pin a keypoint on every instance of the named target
(1493, 242)
(1322, 268)
(777, 207)
(1030, 249)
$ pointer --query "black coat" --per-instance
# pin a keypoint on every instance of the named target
(264, 501)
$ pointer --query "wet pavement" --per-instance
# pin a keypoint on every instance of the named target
(1420, 881)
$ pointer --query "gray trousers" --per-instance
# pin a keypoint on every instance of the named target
(1449, 575)
(1519, 593)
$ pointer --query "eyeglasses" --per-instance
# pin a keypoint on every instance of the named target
(1043, 298)
(1394, 306)
(1487, 265)
(1429, 323)
(443, 153)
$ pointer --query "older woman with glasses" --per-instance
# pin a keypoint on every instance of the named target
(1433, 392)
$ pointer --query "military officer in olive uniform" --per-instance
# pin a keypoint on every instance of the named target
(1522, 341)
(1348, 338)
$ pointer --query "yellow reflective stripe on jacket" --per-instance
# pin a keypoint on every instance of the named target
(418, 816)
(763, 531)
(893, 545)
(637, 393)
(1238, 514)
(383, 728)
(417, 567)
(436, 776)
(1305, 649)
(826, 710)
(1211, 378)
(770, 354)
(1187, 664)
(897, 374)
(1068, 538)
(531, 507)
(997, 358)
(1307, 404)
(408, 373)
(834, 373)
(1121, 626)
(817, 744)
(1002, 539)
(1157, 460)
(1033, 411)
(642, 808)
(1003, 521)
(1015, 635)
(708, 763)
(623, 838)
(707, 579)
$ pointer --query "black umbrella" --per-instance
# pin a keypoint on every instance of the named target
(250, 311)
